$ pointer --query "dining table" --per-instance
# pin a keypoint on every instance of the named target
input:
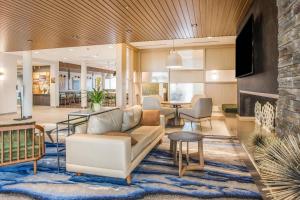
(176, 104)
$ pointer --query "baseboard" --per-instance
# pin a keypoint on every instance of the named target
(9, 113)
(245, 118)
(250, 158)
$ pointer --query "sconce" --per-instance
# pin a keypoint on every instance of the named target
(1, 75)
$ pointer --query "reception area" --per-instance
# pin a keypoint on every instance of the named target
(149, 99)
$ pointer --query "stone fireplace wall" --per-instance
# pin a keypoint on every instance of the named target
(288, 110)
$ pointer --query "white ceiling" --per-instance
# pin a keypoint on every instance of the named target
(104, 56)
(185, 42)
(100, 56)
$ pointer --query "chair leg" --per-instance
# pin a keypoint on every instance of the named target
(200, 126)
(34, 167)
(128, 179)
(210, 123)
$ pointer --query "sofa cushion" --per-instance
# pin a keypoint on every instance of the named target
(150, 118)
(105, 122)
(116, 133)
(144, 136)
(131, 117)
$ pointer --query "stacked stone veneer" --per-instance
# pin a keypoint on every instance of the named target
(288, 110)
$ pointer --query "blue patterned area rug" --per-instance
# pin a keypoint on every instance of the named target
(227, 178)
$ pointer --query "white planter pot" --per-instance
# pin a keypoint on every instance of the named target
(96, 107)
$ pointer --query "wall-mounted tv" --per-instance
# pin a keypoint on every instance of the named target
(244, 50)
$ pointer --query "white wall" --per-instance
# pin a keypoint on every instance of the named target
(8, 96)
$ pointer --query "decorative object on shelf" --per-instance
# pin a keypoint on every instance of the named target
(174, 60)
(280, 168)
(258, 113)
(96, 96)
(268, 117)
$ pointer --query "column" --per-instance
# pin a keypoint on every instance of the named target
(27, 84)
(130, 62)
(103, 80)
(83, 85)
(121, 75)
(54, 84)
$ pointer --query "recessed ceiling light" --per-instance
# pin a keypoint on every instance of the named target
(76, 37)
(128, 31)
(36, 52)
(209, 37)
(110, 46)
(65, 58)
(70, 49)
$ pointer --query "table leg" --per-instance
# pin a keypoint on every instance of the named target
(187, 153)
(175, 152)
(180, 159)
(68, 125)
(201, 155)
(171, 146)
(57, 148)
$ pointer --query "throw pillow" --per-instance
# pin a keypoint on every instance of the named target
(150, 118)
(133, 141)
(128, 120)
(105, 122)
(131, 117)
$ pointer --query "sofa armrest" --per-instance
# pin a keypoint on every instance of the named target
(99, 151)
(162, 122)
(80, 129)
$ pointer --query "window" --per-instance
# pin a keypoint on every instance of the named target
(185, 91)
(110, 84)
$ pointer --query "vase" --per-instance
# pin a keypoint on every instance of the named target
(96, 107)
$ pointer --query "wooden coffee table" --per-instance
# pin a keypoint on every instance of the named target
(184, 136)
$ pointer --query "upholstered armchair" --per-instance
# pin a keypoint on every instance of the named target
(201, 110)
(194, 100)
(154, 103)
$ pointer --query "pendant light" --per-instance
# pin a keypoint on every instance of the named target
(174, 60)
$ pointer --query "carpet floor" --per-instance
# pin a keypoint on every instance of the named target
(224, 177)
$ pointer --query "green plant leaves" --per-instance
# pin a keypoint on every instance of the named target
(97, 96)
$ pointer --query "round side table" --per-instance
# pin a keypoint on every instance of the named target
(184, 136)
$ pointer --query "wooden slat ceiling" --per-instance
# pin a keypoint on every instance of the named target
(65, 23)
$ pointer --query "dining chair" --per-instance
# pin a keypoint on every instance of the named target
(154, 103)
(62, 98)
(201, 110)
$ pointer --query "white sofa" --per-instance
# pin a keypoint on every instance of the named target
(111, 156)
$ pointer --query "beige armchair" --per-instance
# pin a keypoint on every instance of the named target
(201, 110)
(194, 100)
(154, 103)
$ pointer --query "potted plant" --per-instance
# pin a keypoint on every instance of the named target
(96, 96)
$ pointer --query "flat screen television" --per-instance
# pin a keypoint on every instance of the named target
(244, 50)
